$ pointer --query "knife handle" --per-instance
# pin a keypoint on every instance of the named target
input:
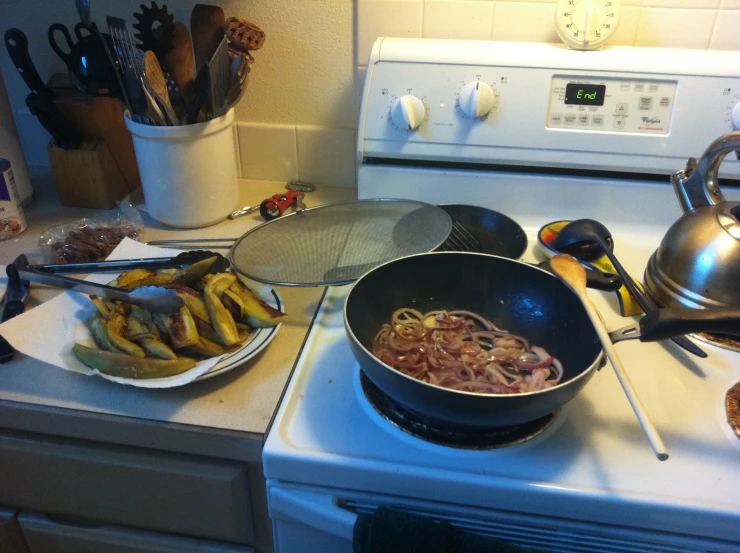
(6, 351)
(11, 309)
(17, 45)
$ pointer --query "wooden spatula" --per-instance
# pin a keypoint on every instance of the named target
(180, 60)
(207, 30)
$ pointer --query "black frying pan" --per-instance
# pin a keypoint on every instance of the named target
(521, 298)
(480, 230)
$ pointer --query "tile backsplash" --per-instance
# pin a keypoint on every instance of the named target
(299, 115)
(696, 24)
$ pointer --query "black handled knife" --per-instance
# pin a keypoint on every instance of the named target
(16, 297)
(41, 100)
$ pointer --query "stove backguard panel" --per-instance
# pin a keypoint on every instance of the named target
(625, 109)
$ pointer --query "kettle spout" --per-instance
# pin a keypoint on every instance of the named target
(698, 184)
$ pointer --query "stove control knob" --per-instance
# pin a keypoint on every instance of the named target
(408, 112)
(477, 99)
(736, 116)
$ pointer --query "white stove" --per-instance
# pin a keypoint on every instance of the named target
(589, 482)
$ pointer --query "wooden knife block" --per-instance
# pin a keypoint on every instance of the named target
(87, 176)
(104, 169)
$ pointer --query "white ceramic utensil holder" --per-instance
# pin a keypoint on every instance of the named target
(188, 172)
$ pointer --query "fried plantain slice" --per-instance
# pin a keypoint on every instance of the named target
(244, 332)
(192, 299)
(255, 311)
(179, 327)
(120, 364)
(117, 328)
(136, 329)
(206, 331)
(221, 319)
(210, 348)
(100, 304)
(233, 303)
(194, 272)
(127, 277)
(154, 280)
(157, 348)
(99, 331)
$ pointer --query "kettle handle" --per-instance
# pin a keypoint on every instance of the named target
(698, 184)
(667, 322)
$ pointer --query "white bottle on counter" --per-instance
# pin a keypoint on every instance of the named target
(10, 147)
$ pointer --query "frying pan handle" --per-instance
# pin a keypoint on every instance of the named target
(596, 280)
(665, 323)
(64, 56)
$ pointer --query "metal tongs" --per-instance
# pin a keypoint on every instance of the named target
(152, 298)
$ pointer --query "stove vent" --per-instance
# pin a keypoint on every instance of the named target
(558, 535)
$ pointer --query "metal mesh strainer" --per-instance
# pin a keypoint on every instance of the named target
(336, 244)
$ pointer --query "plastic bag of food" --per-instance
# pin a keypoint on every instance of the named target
(93, 238)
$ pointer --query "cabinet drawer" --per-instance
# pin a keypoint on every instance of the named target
(168, 492)
(47, 536)
(11, 538)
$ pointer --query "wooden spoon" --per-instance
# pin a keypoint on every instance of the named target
(180, 60)
(573, 274)
(207, 29)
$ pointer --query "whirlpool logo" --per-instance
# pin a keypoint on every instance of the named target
(651, 120)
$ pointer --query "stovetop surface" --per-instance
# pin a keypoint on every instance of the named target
(592, 463)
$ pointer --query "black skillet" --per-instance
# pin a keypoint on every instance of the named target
(481, 230)
(516, 296)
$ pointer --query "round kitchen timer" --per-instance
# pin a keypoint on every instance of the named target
(586, 24)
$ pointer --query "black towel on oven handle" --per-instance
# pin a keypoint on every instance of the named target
(390, 530)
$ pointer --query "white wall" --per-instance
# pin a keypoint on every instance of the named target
(300, 111)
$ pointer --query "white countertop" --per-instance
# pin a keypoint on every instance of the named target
(38, 397)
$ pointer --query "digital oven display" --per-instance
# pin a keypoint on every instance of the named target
(585, 94)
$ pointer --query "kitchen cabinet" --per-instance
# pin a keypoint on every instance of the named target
(168, 492)
(46, 535)
(95, 466)
(11, 538)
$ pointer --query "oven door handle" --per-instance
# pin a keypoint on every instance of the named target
(316, 510)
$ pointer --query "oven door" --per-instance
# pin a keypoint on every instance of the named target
(310, 520)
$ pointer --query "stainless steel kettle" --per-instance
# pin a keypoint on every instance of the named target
(698, 262)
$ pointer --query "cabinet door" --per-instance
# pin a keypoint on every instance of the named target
(11, 538)
(47, 536)
(167, 492)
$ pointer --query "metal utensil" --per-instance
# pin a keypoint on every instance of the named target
(16, 297)
(240, 70)
(156, 32)
(182, 260)
(219, 76)
(575, 234)
(156, 84)
(124, 48)
(214, 243)
(83, 10)
(573, 274)
(309, 248)
(152, 298)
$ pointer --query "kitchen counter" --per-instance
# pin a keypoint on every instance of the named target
(209, 417)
